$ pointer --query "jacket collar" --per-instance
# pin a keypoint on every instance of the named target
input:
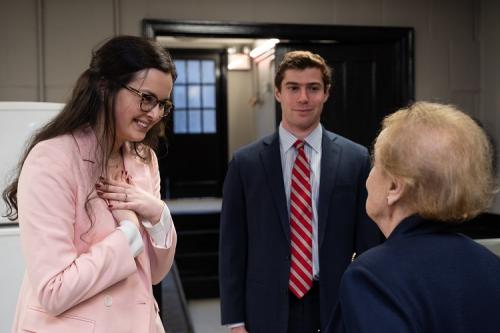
(330, 164)
(86, 142)
(415, 225)
(271, 159)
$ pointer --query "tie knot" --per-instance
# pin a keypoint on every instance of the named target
(299, 144)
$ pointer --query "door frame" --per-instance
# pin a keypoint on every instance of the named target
(402, 38)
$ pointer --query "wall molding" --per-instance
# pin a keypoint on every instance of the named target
(40, 47)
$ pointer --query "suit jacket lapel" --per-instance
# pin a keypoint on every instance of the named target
(271, 159)
(330, 158)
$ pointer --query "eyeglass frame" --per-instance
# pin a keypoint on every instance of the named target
(161, 103)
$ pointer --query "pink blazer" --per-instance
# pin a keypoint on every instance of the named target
(79, 280)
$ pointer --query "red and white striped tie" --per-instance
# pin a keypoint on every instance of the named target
(301, 270)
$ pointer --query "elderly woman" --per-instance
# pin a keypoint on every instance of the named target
(432, 169)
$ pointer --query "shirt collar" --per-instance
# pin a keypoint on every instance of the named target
(287, 139)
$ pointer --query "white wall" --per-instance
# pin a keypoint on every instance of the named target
(446, 36)
(46, 44)
(265, 115)
(251, 103)
(241, 125)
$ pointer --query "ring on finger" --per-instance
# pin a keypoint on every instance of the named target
(126, 196)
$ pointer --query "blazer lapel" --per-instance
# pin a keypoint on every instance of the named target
(271, 159)
(89, 149)
(331, 154)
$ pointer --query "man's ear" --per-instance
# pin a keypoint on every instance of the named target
(277, 95)
(327, 93)
(396, 190)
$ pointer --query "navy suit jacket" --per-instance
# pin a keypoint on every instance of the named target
(424, 278)
(255, 233)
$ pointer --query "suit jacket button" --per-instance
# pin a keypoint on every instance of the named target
(108, 301)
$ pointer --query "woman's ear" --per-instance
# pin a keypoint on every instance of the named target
(327, 93)
(396, 190)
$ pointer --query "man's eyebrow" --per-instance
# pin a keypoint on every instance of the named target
(291, 83)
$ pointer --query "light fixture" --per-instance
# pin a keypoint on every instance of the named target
(264, 47)
(238, 60)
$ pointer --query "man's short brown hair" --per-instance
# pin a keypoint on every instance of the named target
(301, 60)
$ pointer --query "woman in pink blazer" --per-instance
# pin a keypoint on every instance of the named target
(94, 232)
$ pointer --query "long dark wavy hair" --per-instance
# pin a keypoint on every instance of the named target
(114, 64)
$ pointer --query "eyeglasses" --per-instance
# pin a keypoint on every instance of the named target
(148, 102)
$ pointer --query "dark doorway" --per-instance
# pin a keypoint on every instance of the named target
(196, 161)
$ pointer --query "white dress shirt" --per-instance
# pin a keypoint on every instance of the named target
(312, 149)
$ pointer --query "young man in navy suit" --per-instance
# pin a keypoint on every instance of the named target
(289, 231)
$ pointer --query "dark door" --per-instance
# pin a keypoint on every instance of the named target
(196, 160)
(367, 85)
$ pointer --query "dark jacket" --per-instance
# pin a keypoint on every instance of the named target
(424, 278)
(255, 232)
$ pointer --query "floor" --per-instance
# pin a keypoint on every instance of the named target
(205, 315)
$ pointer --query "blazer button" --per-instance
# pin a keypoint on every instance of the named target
(108, 300)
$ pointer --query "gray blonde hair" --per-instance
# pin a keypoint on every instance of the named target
(444, 157)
